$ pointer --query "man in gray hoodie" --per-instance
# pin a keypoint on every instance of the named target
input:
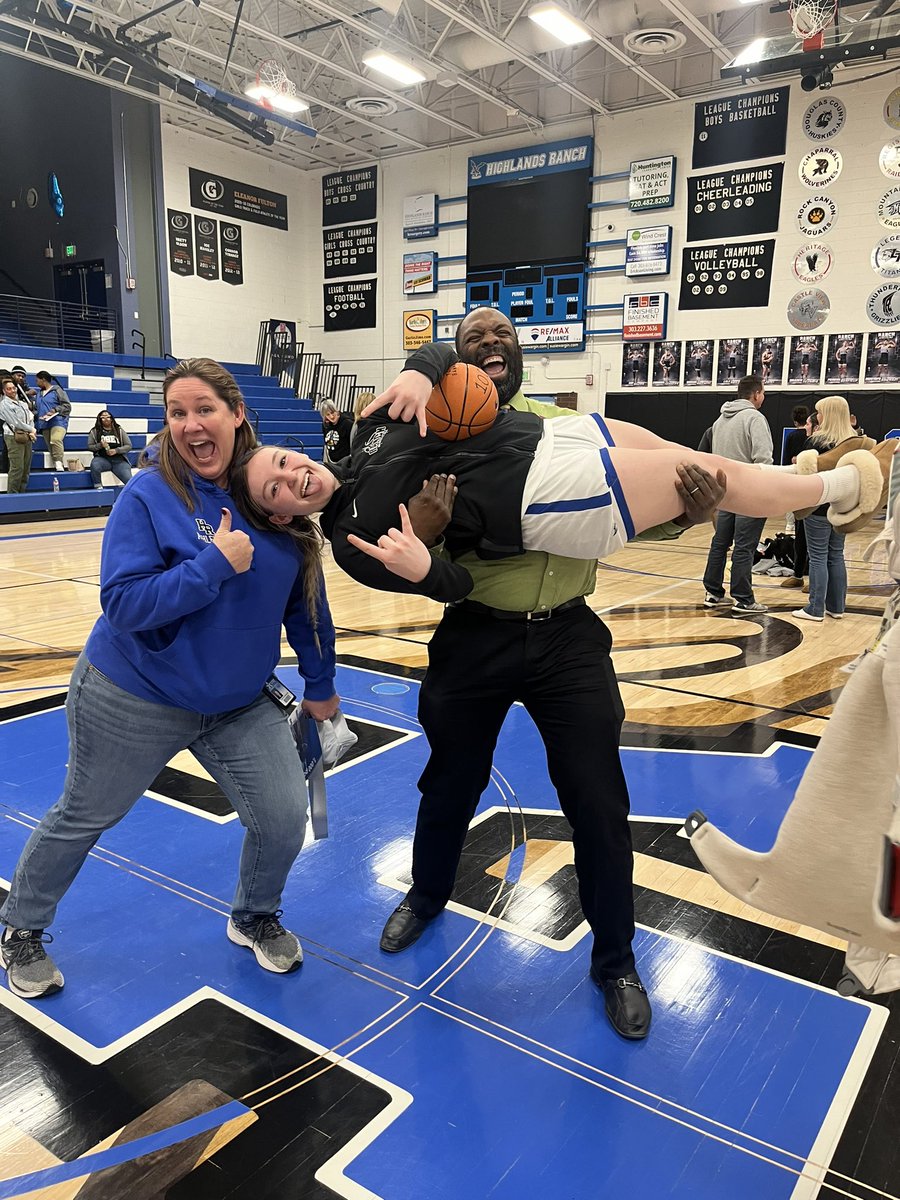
(741, 433)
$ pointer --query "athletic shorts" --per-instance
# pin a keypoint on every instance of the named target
(573, 504)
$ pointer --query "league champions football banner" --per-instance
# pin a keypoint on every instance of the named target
(741, 128)
(207, 242)
(734, 203)
(350, 196)
(181, 242)
(350, 305)
(215, 193)
(726, 275)
(350, 250)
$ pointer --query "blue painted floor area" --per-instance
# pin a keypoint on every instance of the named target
(517, 1078)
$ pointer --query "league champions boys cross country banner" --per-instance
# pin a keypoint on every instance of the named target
(215, 193)
(741, 128)
(350, 196)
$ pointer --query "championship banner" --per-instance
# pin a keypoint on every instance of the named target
(420, 274)
(349, 305)
(741, 128)
(205, 236)
(350, 250)
(734, 203)
(420, 217)
(667, 364)
(350, 196)
(215, 193)
(181, 242)
(232, 253)
(651, 183)
(727, 275)
(418, 328)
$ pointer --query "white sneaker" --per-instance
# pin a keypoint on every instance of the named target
(834, 616)
(712, 601)
(806, 616)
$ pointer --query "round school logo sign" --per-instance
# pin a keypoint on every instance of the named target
(206, 228)
(891, 111)
(212, 189)
(230, 233)
(883, 306)
(886, 257)
(824, 119)
(812, 262)
(820, 167)
(808, 309)
(888, 209)
(180, 221)
(817, 215)
(889, 159)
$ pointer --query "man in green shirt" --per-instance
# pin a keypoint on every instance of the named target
(525, 633)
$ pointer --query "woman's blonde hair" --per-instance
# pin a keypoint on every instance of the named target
(161, 453)
(305, 532)
(834, 421)
(361, 401)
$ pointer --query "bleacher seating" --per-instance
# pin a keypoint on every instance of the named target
(96, 380)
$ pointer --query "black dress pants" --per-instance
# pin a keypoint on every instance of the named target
(560, 669)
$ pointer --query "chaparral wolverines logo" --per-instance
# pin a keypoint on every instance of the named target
(820, 167)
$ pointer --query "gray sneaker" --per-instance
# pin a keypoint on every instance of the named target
(30, 971)
(750, 606)
(275, 947)
(712, 601)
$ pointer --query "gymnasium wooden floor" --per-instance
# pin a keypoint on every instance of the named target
(477, 1063)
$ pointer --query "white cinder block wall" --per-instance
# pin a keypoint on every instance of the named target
(284, 271)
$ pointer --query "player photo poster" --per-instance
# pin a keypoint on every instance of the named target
(768, 360)
(667, 364)
(733, 354)
(843, 358)
(698, 363)
(635, 363)
(882, 358)
(805, 360)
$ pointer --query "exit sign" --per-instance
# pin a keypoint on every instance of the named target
(70, 251)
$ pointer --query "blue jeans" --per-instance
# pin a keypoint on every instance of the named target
(249, 752)
(745, 532)
(827, 569)
(120, 467)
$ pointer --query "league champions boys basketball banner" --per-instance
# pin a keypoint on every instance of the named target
(741, 128)
(215, 193)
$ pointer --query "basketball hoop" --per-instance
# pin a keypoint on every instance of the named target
(274, 89)
(810, 19)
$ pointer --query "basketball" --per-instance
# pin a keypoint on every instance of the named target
(463, 403)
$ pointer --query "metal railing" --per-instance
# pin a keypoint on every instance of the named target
(28, 321)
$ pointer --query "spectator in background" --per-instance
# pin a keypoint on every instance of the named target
(110, 446)
(25, 392)
(18, 434)
(4, 457)
(363, 400)
(53, 409)
(336, 429)
(794, 443)
(855, 425)
(741, 433)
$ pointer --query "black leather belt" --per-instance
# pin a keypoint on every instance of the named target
(502, 614)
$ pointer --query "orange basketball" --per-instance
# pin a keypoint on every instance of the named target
(463, 403)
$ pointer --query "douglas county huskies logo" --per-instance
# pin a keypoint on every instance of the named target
(886, 257)
(824, 119)
(817, 215)
(820, 167)
(889, 209)
(812, 262)
(883, 306)
(808, 309)
(373, 442)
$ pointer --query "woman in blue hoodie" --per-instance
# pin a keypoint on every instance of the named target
(194, 601)
(53, 409)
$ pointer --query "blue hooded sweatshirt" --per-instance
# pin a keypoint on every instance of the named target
(180, 626)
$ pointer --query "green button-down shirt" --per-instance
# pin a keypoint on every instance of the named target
(535, 581)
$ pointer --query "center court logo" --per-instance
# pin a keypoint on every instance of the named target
(212, 189)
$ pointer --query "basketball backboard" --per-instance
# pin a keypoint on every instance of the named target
(848, 42)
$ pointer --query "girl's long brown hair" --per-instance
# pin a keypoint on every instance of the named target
(164, 457)
(306, 533)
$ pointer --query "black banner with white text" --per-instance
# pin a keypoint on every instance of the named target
(349, 196)
(726, 275)
(350, 250)
(741, 128)
(181, 242)
(215, 193)
(207, 242)
(734, 203)
(349, 305)
(232, 253)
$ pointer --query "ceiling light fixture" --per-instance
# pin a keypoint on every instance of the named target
(559, 24)
(394, 68)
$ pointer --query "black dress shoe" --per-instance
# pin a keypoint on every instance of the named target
(627, 1005)
(402, 929)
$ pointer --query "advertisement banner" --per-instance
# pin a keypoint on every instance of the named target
(350, 250)
(741, 128)
(726, 275)
(181, 242)
(568, 335)
(734, 203)
(420, 273)
(420, 217)
(215, 193)
(232, 253)
(648, 251)
(350, 196)
(651, 183)
(418, 328)
(207, 242)
(349, 305)
(644, 316)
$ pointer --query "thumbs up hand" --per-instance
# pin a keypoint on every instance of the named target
(234, 544)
